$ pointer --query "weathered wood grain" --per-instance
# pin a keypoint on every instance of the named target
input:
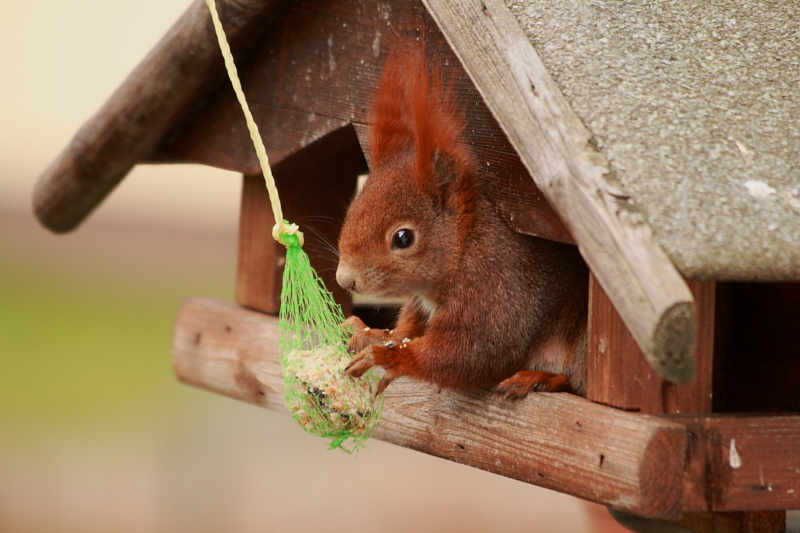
(142, 110)
(746, 463)
(230, 350)
(315, 186)
(613, 236)
(558, 441)
(309, 74)
(618, 374)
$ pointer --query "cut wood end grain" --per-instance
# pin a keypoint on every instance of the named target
(673, 343)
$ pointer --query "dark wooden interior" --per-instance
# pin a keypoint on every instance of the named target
(758, 367)
(316, 185)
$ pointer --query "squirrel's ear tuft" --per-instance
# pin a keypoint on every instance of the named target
(392, 131)
(415, 112)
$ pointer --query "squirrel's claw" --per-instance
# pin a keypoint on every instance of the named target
(366, 359)
(360, 363)
(362, 335)
(354, 324)
(387, 378)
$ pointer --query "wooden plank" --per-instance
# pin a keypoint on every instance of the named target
(559, 441)
(648, 465)
(230, 350)
(142, 110)
(619, 376)
(260, 259)
(612, 234)
(315, 185)
(309, 74)
(742, 463)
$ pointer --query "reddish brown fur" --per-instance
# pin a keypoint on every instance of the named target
(484, 304)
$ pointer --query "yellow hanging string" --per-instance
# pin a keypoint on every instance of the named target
(281, 227)
(324, 402)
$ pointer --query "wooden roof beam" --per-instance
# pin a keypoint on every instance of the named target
(613, 236)
(142, 111)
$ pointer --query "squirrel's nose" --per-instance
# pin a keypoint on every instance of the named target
(345, 277)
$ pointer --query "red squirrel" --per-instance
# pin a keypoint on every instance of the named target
(485, 306)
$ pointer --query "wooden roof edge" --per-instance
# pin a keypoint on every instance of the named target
(142, 110)
(614, 238)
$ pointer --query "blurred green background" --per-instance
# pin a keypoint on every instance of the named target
(95, 433)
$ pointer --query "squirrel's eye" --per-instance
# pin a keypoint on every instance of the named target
(402, 238)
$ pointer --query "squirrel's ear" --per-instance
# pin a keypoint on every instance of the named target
(445, 175)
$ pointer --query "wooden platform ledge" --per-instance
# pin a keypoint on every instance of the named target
(656, 466)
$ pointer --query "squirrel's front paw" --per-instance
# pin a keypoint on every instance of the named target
(373, 356)
(362, 335)
(362, 362)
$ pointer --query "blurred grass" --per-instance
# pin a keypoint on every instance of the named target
(85, 325)
(75, 350)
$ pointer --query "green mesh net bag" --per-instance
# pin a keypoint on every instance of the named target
(313, 342)
(313, 356)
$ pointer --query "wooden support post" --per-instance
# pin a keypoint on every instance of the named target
(619, 376)
(315, 186)
(259, 265)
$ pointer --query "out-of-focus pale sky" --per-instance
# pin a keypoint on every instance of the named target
(59, 61)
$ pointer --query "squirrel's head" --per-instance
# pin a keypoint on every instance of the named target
(404, 231)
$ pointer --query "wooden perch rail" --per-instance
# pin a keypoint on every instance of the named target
(557, 441)
(551, 140)
(656, 466)
(141, 112)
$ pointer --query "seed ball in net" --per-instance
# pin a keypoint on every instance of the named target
(323, 400)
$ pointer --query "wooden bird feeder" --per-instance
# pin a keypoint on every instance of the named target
(692, 413)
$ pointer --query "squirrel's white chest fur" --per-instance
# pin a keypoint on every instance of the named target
(427, 306)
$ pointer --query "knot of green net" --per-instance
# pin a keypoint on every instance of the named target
(313, 357)
(286, 234)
